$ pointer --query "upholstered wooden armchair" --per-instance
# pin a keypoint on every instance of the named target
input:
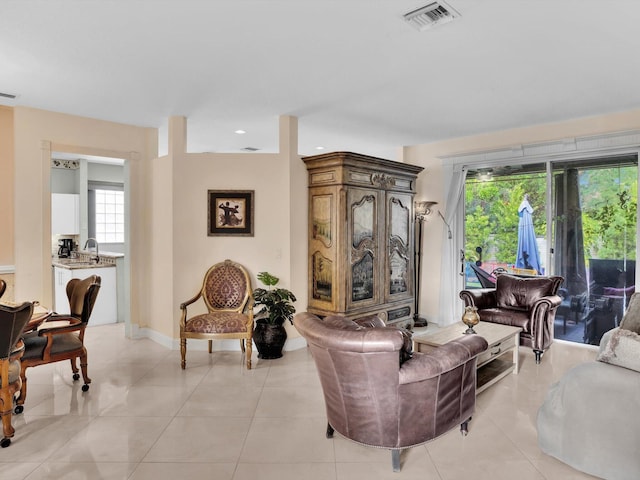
(61, 337)
(375, 398)
(12, 322)
(227, 294)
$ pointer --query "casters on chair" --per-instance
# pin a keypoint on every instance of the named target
(76, 376)
(85, 387)
(19, 409)
(5, 442)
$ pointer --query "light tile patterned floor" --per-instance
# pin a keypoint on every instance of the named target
(145, 418)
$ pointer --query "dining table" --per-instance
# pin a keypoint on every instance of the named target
(39, 315)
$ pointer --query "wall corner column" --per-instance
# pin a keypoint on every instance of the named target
(177, 135)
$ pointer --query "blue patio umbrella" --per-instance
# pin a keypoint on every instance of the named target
(528, 256)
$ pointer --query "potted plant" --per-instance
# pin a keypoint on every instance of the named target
(276, 305)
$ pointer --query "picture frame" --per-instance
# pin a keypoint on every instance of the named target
(230, 213)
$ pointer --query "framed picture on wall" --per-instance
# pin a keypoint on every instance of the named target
(230, 212)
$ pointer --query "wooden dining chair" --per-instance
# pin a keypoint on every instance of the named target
(61, 337)
(12, 322)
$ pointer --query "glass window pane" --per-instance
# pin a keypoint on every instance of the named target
(109, 216)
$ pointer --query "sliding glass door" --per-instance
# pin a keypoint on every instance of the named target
(594, 243)
(586, 233)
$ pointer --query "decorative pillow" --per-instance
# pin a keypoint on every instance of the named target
(522, 293)
(623, 350)
(631, 319)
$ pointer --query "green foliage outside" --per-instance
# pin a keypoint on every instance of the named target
(609, 212)
(492, 215)
(608, 199)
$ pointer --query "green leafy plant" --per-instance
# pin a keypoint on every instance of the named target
(276, 303)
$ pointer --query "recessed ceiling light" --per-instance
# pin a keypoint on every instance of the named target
(240, 132)
(319, 148)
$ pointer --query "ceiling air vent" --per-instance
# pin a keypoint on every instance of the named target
(249, 149)
(436, 13)
(8, 95)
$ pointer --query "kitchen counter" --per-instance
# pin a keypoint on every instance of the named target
(76, 263)
(83, 259)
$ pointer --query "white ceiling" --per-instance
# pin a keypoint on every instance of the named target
(356, 76)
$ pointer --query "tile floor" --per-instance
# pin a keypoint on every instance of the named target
(145, 418)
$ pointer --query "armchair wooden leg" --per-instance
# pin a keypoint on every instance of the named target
(83, 366)
(7, 428)
(248, 354)
(538, 354)
(23, 392)
(210, 346)
(395, 460)
(74, 368)
(183, 353)
(242, 344)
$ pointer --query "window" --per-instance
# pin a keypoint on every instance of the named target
(109, 216)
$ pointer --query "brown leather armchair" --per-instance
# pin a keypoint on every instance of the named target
(526, 302)
(374, 398)
(12, 321)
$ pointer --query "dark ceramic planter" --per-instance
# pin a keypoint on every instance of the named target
(269, 340)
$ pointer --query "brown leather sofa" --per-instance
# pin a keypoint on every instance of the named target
(526, 302)
(378, 393)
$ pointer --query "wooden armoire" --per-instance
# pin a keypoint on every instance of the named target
(361, 236)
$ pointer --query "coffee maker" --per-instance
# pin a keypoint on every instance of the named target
(65, 247)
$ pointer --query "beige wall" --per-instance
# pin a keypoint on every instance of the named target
(6, 185)
(169, 248)
(431, 184)
(182, 251)
(35, 131)
(6, 200)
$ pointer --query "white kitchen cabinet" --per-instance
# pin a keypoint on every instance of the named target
(105, 309)
(61, 277)
(65, 214)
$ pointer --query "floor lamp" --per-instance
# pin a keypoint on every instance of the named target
(421, 211)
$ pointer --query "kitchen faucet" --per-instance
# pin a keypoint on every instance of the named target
(97, 257)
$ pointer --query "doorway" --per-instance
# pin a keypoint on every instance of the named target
(107, 171)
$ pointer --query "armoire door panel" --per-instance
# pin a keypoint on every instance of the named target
(363, 278)
(399, 246)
